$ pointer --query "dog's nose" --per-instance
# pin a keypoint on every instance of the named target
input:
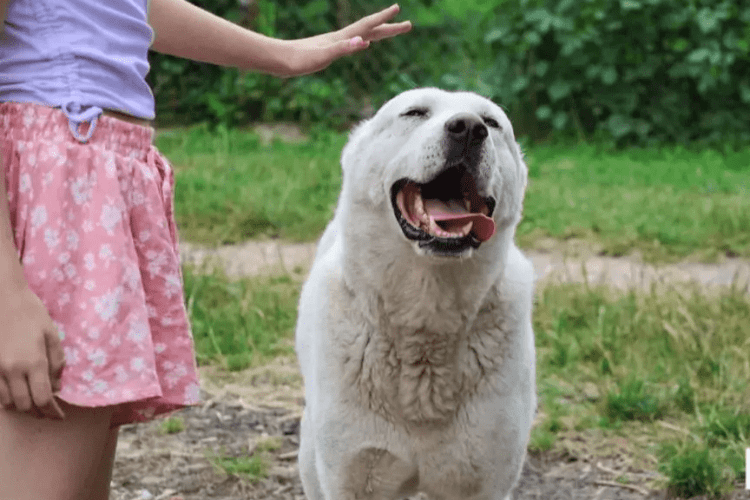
(466, 127)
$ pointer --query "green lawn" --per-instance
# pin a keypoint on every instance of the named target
(666, 373)
(666, 203)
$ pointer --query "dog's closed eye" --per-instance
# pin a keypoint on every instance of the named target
(416, 112)
(491, 122)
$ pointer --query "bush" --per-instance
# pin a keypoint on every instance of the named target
(189, 92)
(639, 71)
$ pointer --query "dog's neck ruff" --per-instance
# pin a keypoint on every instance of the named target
(424, 354)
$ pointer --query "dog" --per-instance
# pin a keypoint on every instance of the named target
(414, 332)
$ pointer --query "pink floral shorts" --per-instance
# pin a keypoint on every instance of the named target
(95, 232)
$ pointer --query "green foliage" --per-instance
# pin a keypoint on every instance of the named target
(172, 425)
(634, 400)
(191, 92)
(231, 187)
(635, 70)
(653, 345)
(541, 440)
(722, 425)
(638, 71)
(239, 321)
(695, 470)
(253, 469)
(684, 397)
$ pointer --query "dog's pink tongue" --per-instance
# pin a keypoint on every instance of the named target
(483, 227)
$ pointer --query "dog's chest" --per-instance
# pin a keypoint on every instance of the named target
(422, 369)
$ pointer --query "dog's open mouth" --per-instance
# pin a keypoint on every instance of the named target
(447, 212)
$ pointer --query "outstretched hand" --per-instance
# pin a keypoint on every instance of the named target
(309, 55)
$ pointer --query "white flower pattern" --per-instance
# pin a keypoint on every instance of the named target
(111, 216)
(38, 216)
(51, 237)
(101, 253)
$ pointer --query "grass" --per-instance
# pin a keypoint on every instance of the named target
(172, 425)
(231, 187)
(665, 203)
(632, 400)
(695, 469)
(253, 468)
(666, 371)
(660, 376)
(243, 322)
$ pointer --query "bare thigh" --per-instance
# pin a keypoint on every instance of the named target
(103, 473)
(56, 460)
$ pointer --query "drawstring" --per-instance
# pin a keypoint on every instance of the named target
(79, 116)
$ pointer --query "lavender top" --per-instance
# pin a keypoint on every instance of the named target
(82, 56)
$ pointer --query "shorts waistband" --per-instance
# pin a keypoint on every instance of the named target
(35, 121)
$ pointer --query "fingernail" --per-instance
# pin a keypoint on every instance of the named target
(356, 42)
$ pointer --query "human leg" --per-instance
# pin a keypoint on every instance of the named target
(103, 474)
(51, 459)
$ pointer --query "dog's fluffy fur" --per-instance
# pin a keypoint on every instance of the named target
(417, 353)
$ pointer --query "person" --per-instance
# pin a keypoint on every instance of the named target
(93, 330)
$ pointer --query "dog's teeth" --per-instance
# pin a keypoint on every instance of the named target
(421, 214)
(467, 204)
(424, 218)
(434, 228)
(419, 204)
(467, 228)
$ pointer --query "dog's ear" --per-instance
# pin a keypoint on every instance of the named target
(349, 151)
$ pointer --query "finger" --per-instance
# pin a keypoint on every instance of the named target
(5, 399)
(337, 50)
(369, 22)
(348, 47)
(388, 31)
(19, 391)
(41, 393)
(56, 409)
(52, 411)
(56, 359)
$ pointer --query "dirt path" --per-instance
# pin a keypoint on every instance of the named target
(268, 257)
(243, 411)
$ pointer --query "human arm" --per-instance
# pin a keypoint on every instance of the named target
(31, 358)
(185, 30)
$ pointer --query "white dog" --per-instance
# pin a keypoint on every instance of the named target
(414, 333)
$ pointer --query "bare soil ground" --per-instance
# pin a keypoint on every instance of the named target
(242, 410)
(571, 262)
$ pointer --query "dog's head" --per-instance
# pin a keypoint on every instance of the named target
(445, 164)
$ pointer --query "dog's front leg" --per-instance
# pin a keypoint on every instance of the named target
(308, 469)
(354, 472)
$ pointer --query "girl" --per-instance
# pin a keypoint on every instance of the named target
(93, 331)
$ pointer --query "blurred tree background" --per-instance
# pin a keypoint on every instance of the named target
(638, 71)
